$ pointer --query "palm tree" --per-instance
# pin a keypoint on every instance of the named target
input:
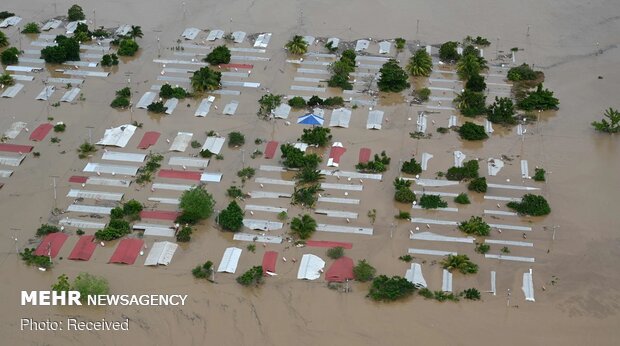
(3, 40)
(420, 64)
(460, 263)
(303, 227)
(611, 126)
(309, 175)
(136, 31)
(206, 79)
(297, 45)
(401, 184)
(6, 79)
(468, 66)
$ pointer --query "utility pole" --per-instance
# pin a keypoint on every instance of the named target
(528, 31)
(554, 228)
(242, 158)
(54, 184)
(417, 26)
(94, 19)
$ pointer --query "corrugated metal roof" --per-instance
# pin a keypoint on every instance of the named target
(310, 267)
(341, 270)
(215, 35)
(146, 99)
(86, 73)
(179, 62)
(375, 120)
(268, 168)
(262, 41)
(188, 162)
(13, 161)
(339, 200)
(171, 104)
(84, 248)
(344, 229)
(190, 33)
(127, 157)
(265, 208)
(511, 258)
(231, 108)
(21, 77)
(238, 36)
(211, 177)
(154, 230)
(12, 91)
(446, 283)
(72, 81)
(528, 286)
(257, 238)
(384, 47)
(431, 252)
(70, 95)
(181, 141)
(78, 223)
(98, 195)
(230, 260)
(262, 225)
(204, 107)
(345, 187)
(108, 182)
(118, 136)
(81, 63)
(163, 200)
(353, 175)
(334, 40)
(51, 244)
(14, 20)
(414, 275)
(335, 153)
(361, 45)
(15, 129)
(309, 39)
(241, 84)
(174, 79)
(340, 117)
(111, 169)
(91, 209)
(127, 251)
(161, 253)
(122, 30)
(173, 187)
(214, 144)
(5, 173)
(262, 180)
(282, 111)
(336, 213)
(46, 93)
(308, 88)
(52, 24)
(267, 194)
(71, 26)
(429, 236)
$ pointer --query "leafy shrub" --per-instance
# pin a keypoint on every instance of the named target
(90, 285)
(478, 185)
(432, 202)
(475, 225)
(236, 139)
(120, 102)
(196, 204)
(539, 174)
(46, 229)
(203, 271)
(246, 173)
(315, 101)
(530, 204)
(462, 198)
(522, 72)
(403, 215)
(363, 271)
(471, 103)
(132, 207)
(252, 277)
(234, 192)
(316, 136)
(31, 259)
(219, 55)
(411, 167)
(540, 99)
(482, 248)
(157, 107)
(501, 111)
(128, 47)
(472, 132)
(476, 83)
(75, 12)
(471, 294)
(393, 77)
(378, 165)
(335, 252)
(460, 263)
(406, 258)
(400, 43)
(268, 103)
(231, 218)
(306, 196)
(390, 289)
(335, 101)
(468, 171)
(426, 293)
(447, 51)
(206, 79)
(297, 102)
(167, 92)
(303, 227)
(610, 122)
(10, 56)
(60, 127)
(185, 234)
(424, 94)
(109, 60)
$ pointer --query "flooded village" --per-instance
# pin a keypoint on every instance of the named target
(313, 172)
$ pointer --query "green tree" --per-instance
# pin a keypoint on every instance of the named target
(522, 72)
(127, 47)
(206, 79)
(468, 66)
(530, 204)
(471, 294)
(46, 229)
(478, 185)
(539, 174)
(501, 111)
(236, 139)
(471, 103)
(393, 77)
(475, 225)
(185, 234)
(306, 196)
(4, 41)
(447, 51)
(400, 43)
(10, 56)
(460, 263)
(75, 12)
(157, 108)
(297, 102)
(196, 204)
(90, 285)
(109, 60)
(6, 79)
(540, 99)
(363, 271)
(308, 175)
(335, 252)
(62, 285)
(132, 207)
(472, 132)
(303, 227)
(462, 198)
(315, 101)
(316, 136)
(136, 32)
(203, 271)
(219, 55)
(120, 102)
(420, 64)
(231, 218)
(404, 195)
(252, 277)
(476, 83)
(411, 167)
(432, 202)
(31, 28)
(423, 94)
(246, 173)
(468, 171)
(297, 45)
(609, 125)
(390, 289)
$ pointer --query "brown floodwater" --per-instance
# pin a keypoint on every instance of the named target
(580, 307)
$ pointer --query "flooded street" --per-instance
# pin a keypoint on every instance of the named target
(559, 37)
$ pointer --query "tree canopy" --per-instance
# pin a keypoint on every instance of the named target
(196, 204)
(384, 288)
(530, 204)
(609, 125)
(472, 132)
(219, 55)
(303, 227)
(75, 12)
(128, 47)
(476, 83)
(393, 77)
(4, 41)
(468, 66)
(540, 99)
(420, 64)
(460, 263)
(475, 225)
(317, 136)
(10, 56)
(363, 271)
(67, 48)
(231, 218)
(502, 111)
(471, 103)
(447, 51)
(297, 45)
(206, 79)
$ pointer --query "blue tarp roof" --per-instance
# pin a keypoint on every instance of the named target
(310, 119)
